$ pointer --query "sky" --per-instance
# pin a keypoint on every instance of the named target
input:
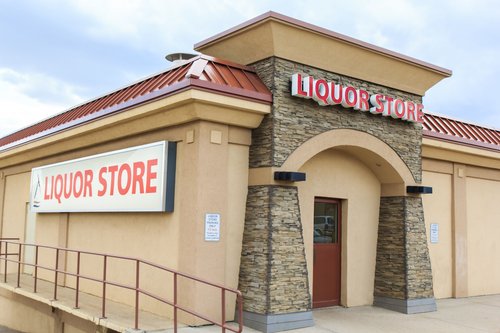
(56, 54)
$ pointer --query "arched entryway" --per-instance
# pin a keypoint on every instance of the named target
(352, 170)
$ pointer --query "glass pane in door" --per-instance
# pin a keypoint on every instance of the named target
(326, 222)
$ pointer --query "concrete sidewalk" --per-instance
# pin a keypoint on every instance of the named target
(464, 315)
(475, 314)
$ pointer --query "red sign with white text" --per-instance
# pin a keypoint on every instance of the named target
(331, 93)
(131, 179)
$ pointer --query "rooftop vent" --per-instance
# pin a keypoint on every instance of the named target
(179, 57)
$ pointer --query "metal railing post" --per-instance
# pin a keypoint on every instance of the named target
(223, 312)
(36, 269)
(128, 285)
(77, 289)
(55, 274)
(239, 300)
(137, 294)
(1, 242)
(104, 287)
(5, 269)
(175, 302)
(19, 266)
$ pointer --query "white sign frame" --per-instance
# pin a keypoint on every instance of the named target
(212, 227)
(434, 231)
(134, 179)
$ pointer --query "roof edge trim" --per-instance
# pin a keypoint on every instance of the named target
(346, 39)
(168, 91)
(461, 141)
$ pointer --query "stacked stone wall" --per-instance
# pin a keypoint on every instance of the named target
(403, 267)
(254, 275)
(295, 120)
(289, 287)
(273, 274)
(418, 265)
(262, 148)
(390, 269)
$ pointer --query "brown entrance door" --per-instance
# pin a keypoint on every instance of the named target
(326, 272)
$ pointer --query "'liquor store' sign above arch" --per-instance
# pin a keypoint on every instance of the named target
(331, 93)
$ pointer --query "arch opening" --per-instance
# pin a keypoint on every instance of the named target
(356, 169)
(379, 157)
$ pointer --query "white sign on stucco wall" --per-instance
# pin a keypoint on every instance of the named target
(132, 179)
(212, 227)
(434, 233)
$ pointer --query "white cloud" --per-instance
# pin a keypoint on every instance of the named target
(455, 34)
(386, 17)
(25, 98)
(153, 24)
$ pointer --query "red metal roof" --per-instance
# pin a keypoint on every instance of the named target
(202, 72)
(444, 128)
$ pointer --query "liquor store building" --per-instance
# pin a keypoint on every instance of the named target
(287, 161)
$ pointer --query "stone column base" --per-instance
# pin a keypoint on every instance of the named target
(408, 306)
(269, 323)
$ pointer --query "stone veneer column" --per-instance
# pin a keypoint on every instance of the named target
(403, 276)
(402, 241)
(273, 271)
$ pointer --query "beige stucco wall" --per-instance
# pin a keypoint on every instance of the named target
(483, 226)
(279, 36)
(337, 174)
(14, 216)
(236, 206)
(211, 177)
(464, 202)
(438, 210)
(213, 132)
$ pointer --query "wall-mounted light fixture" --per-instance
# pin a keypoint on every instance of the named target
(419, 189)
(290, 176)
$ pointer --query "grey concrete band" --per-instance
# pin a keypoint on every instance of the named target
(269, 323)
(408, 306)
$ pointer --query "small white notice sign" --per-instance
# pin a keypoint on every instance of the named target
(434, 233)
(212, 227)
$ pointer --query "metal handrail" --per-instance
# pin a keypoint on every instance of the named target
(138, 291)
